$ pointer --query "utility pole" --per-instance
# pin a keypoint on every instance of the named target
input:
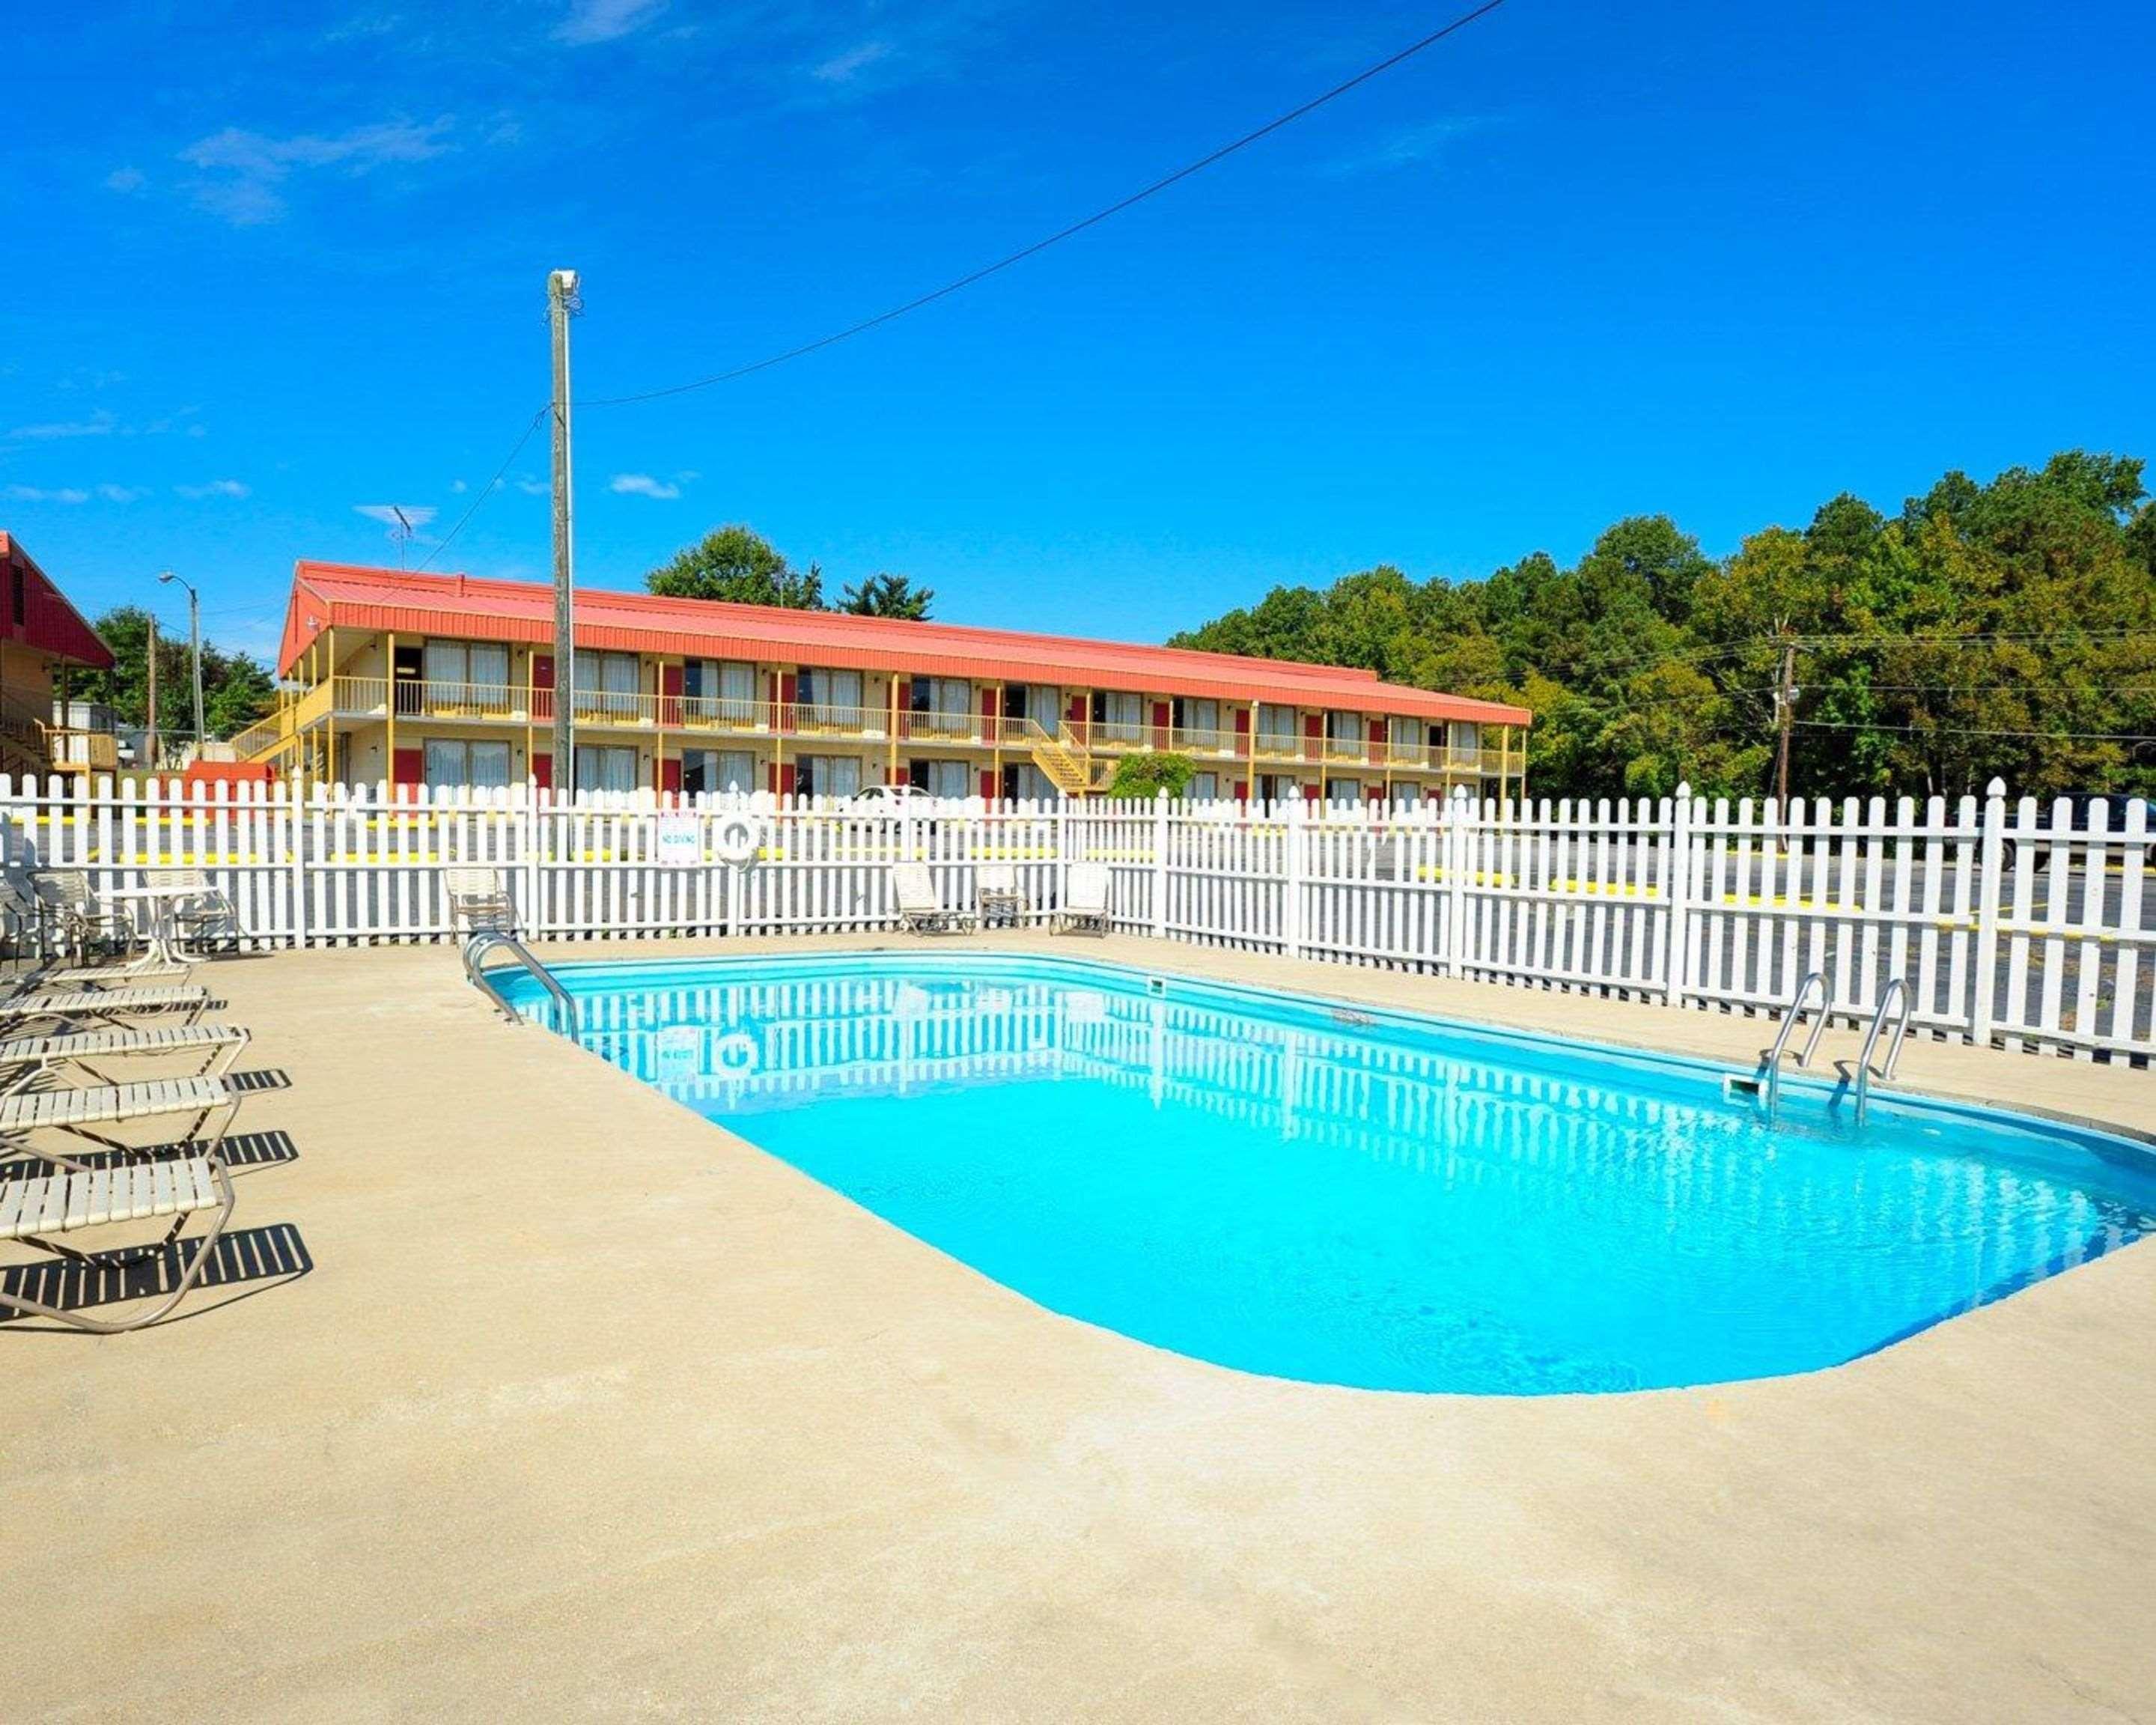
(1785, 713)
(150, 729)
(562, 303)
(194, 647)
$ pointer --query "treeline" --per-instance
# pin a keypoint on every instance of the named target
(741, 567)
(2006, 630)
(237, 688)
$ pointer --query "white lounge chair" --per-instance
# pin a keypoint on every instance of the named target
(77, 923)
(47, 1104)
(920, 912)
(205, 918)
(996, 892)
(479, 902)
(91, 1005)
(221, 1043)
(36, 1209)
(1085, 906)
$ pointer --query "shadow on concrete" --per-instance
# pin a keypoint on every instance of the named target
(247, 1261)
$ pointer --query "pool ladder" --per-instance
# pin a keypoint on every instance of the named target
(1766, 1084)
(482, 946)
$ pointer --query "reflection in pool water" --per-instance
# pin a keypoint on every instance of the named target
(1284, 1188)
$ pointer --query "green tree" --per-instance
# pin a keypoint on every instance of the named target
(883, 595)
(1148, 772)
(237, 689)
(737, 564)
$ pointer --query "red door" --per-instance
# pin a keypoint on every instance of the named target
(670, 695)
(543, 771)
(987, 723)
(1313, 737)
(670, 775)
(543, 688)
(1160, 719)
(988, 783)
(1378, 741)
(407, 768)
(1075, 717)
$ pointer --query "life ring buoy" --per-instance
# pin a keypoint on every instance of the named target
(739, 840)
(736, 1055)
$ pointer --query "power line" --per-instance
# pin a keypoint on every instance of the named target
(485, 491)
(1975, 731)
(1061, 234)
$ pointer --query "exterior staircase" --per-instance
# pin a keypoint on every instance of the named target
(1065, 761)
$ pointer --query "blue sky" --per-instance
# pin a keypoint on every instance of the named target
(265, 275)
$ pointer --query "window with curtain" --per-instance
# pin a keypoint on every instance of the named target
(941, 705)
(1201, 719)
(831, 699)
(828, 775)
(1203, 788)
(1277, 729)
(1344, 733)
(1464, 738)
(450, 761)
(605, 769)
(712, 771)
(609, 684)
(1121, 716)
(1406, 735)
(939, 778)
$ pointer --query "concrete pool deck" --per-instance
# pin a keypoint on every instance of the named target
(586, 1407)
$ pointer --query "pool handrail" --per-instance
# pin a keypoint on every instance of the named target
(1770, 1063)
(1897, 990)
(487, 942)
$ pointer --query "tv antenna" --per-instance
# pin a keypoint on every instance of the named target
(402, 533)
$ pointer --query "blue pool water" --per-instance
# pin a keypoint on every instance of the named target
(1370, 1199)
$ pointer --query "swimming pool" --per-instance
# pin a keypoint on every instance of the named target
(1289, 1186)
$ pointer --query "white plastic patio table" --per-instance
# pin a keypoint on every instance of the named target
(160, 948)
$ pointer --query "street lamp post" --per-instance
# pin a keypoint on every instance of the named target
(194, 647)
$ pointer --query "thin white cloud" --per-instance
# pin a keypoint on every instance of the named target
(532, 487)
(123, 494)
(101, 424)
(125, 180)
(39, 494)
(642, 484)
(458, 487)
(245, 171)
(1415, 145)
(845, 68)
(589, 21)
(417, 514)
(215, 488)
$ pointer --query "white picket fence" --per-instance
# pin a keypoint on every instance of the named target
(2006, 920)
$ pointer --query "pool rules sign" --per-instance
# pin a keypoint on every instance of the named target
(679, 841)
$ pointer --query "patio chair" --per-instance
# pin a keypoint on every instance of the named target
(220, 1043)
(77, 922)
(1085, 906)
(37, 1209)
(94, 1005)
(44, 1104)
(24, 920)
(205, 920)
(920, 912)
(479, 902)
(996, 892)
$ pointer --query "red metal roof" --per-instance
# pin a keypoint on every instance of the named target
(49, 623)
(344, 596)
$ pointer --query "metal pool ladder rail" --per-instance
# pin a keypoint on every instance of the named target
(1897, 991)
(1767, 1083)
(480, 946)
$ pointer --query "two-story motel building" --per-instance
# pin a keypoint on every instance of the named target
(443, 679)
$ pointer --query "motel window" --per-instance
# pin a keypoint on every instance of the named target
(828, 775)
(830, 698)
(939, 778)
(712, 771)
(608, 683)
(1406, 735)
(1023, 782)
(1203, 788)
(472, 674)
(722, 690)
(940, 705)
(1273, 786)
(1343, 732)
(451, 762)
(1465, 738)
(605, 769)
(1343, 790)
(1119, 717)
(1201, 719)
(1277, 729)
